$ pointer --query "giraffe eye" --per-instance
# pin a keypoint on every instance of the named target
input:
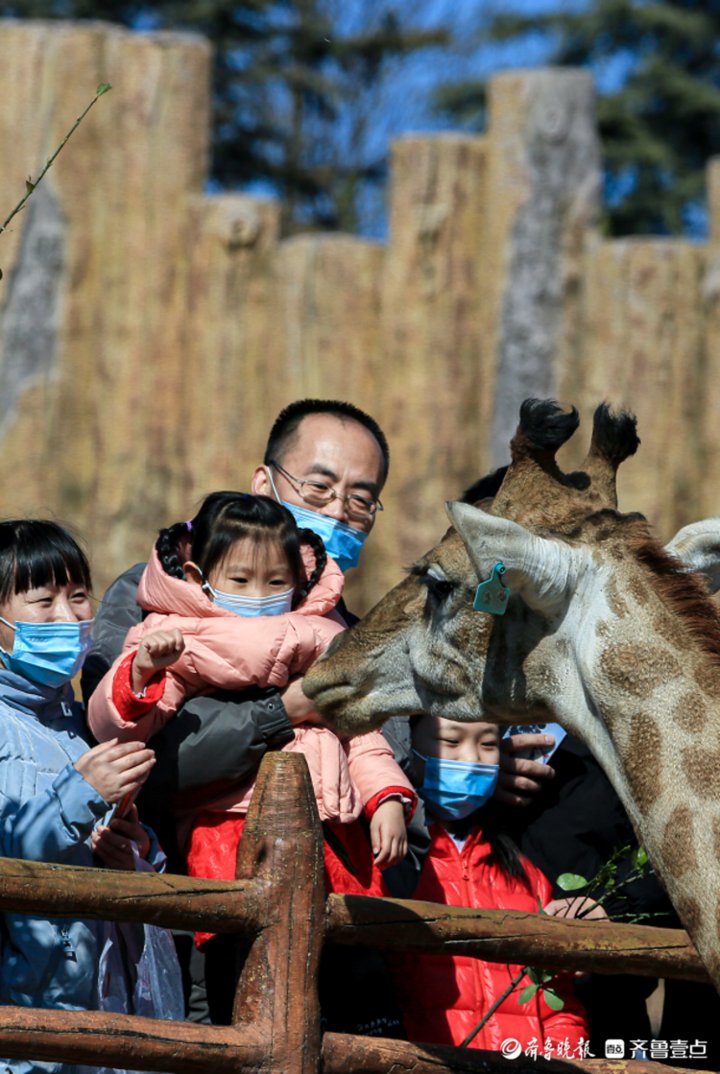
(440, 588)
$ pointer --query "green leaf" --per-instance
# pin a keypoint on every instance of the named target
(640, 858)
(102, 88)
(571, 881)
(29, 185)
(539, 976)
(527, 993)
(553, 1000)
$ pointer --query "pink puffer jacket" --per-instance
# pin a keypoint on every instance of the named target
(224, 651)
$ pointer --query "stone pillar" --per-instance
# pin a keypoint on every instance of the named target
(326, 344)
(227, 340)
(543, 177)
(643, 349)
(432, 395)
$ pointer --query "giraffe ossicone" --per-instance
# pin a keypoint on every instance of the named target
(606, 632)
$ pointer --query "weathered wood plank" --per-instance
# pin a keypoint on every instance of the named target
(282, 847)
(173, 901)
(127, 1042)
(371, 1055)
(515, 936)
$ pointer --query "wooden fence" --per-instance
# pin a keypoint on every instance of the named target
(277, 908)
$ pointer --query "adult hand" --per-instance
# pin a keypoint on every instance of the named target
(521, 777)
(113, 843)
(299, 708)
(116, 769)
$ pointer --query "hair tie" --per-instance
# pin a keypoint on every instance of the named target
(189, 525)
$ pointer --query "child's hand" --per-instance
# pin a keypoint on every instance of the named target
(116, 769)
(577, 906)
(156, 651)
(388, 834)
(113, 843)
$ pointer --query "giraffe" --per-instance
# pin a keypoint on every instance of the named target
(604, 631)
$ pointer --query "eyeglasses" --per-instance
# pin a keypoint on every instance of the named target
(319, 494)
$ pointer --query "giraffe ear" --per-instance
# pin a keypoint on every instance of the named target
(540, 571)
(698, 547)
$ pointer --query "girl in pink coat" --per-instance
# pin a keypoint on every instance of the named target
(240, 597)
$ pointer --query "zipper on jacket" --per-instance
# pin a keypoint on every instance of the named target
(66, 943)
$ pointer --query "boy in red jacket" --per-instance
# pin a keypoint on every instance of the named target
(471, 863)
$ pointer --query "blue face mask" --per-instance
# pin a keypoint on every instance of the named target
(341, 541)
(48, 653)
(455, 789)
(275, 604)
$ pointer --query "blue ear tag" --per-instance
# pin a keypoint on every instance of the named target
(492, 596)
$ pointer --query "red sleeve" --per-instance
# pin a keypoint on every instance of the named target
(130, 706)
(408, 799)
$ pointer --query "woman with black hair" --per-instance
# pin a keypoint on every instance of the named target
(55, 792)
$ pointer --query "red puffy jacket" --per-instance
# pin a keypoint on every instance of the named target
(443, 997)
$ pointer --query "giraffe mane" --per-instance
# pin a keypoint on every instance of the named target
(684, 590)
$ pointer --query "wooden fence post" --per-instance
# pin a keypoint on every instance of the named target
(282, 847)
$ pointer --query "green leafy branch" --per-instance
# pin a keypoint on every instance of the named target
(605, 883)
(597, 890)
(538, 982)
(30, 184)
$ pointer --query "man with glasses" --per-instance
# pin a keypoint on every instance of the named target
(327, 461)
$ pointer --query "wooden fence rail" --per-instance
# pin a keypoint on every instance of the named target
(235, 907)
(278, 909)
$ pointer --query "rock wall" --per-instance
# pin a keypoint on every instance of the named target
(149, 331)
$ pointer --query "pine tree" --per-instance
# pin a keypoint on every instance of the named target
(663, 122)
(291, 86)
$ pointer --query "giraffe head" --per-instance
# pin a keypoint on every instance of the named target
(572, 564)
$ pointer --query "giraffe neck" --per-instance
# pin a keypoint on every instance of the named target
(655, 727)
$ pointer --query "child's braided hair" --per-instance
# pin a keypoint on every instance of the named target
(316, 543)
(227, 517)
(167, 545)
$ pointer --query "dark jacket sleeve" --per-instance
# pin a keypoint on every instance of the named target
(118, 612)
(218, 739)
